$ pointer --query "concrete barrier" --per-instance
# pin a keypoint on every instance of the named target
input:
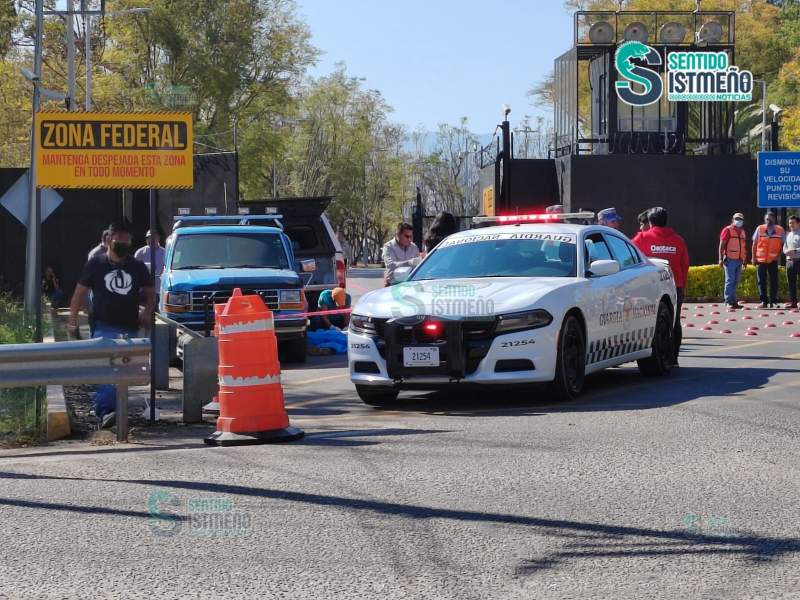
(200, 384)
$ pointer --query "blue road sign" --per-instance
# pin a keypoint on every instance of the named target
(778, 179)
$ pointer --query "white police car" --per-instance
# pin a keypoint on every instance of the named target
(536, 301)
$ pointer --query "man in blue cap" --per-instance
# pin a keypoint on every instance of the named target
(609, 218)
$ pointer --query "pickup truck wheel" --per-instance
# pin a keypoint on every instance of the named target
(660, 363)
(295, 350)
(376, 396)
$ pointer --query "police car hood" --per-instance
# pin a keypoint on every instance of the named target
(460, 298)
(224, 278)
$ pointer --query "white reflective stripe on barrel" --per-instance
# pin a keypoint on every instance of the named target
(231, 381)
(259, 325)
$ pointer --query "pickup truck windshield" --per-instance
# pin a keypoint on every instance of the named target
(500, 258)
(229, 250)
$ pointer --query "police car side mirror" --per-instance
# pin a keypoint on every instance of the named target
(601, 268)
(401, 274)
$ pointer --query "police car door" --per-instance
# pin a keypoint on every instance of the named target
(602, 307)
(635, 297)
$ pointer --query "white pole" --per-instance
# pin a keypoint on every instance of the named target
(70, 29)
(87, 33)
(32, 268)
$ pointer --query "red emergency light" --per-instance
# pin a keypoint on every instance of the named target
(533, 218)
(432, 328)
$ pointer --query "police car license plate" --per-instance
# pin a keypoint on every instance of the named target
(421, 357)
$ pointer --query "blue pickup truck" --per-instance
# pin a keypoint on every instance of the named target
(205, 262)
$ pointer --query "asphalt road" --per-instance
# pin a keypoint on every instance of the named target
(683, 487)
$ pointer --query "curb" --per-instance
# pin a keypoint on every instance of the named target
(57, 416)
(58, 426)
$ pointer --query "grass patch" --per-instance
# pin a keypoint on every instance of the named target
(23, 411)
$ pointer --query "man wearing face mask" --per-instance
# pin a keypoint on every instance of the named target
(116, 281)
(733, 256)
(767, 246)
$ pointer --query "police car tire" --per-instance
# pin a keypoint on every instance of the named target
(568, 382)
(296, 350)
(660, 363)
(376, 396)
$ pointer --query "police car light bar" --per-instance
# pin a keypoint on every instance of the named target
(535, 218)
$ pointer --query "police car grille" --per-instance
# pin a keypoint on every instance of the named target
(199, 298)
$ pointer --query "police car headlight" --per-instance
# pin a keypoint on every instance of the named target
(178, 299)
(362, 324)
(524, 320)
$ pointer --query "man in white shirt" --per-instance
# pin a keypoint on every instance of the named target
(143, 255)
(400, 252)
(791, 248)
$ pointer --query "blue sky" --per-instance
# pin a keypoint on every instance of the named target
(438, 60)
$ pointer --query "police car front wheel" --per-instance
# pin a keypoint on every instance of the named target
(571, 360)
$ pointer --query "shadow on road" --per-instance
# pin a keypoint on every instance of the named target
(586, 539)
(610, 390)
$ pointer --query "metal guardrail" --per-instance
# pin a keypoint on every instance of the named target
(121, 363)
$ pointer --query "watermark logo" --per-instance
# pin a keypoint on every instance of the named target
(447, 300)
(690, 76)
(203, 516)
(711, 525)
(706, 77)
(649, 81)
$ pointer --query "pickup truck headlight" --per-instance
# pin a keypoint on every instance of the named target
(179, 298)
(291, 299)
(177, 301)
(523, 320)
(362, 324)
(290, 296)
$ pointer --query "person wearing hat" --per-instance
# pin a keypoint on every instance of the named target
(334, 299)
(143, 255)
(609, 218)
(733, 256)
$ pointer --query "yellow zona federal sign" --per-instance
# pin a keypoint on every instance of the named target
(114, 150)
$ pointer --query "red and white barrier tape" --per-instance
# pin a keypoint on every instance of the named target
(319, 313)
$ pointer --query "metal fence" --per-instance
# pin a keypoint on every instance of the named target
(121, 363)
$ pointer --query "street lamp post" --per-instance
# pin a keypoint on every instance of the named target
(33, 296)
(763, 113)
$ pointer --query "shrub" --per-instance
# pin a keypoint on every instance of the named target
(708, 282)
(13, 326)
(22, 410)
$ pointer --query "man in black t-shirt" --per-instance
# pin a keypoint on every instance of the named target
(116, 281)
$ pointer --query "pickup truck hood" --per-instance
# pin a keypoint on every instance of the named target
(463, 297)
(253, 278)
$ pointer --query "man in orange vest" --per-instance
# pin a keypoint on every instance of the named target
(733, 256)
(767, 246)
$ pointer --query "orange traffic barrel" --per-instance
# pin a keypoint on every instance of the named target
(251, 406)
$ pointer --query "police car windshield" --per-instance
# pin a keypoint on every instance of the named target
(501, 255)
(229, 250)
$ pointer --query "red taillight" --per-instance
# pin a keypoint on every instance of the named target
(432, 328)
(341, 273)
